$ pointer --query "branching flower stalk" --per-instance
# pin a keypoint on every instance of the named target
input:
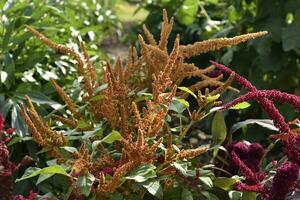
(111, 99)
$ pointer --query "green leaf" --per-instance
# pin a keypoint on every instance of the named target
(70, 149)
(56, 169)
(9, 29)
(218, 128)
(290, 37)
(224, 182)
(43, 177)
(177, 106)
(82, 124)
(142, 173)
(154, 188)
(188, 11)
(97, 97)
(116, 196)
(113, 136)
(183, 102)
(181, 167)
(9, 68)
(210, 99)
(235, 195)
(186, 194)
(185, 89)
(266, 123)
(240, 106)
(209, 195)
(249, 196)
(84, 184)
(207, 181)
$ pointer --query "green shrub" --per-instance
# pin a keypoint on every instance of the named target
(26, 66)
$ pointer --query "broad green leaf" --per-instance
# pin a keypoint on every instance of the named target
(82, 124)
(3, 76)
(188, 11)
(266, 123)
(97, 97)
(17, 121)
(185, 89)
(186, 194)
(207, 181)
(249, 196)
(212, 98)
(218, 128)
(177, 106)
(224, 182)
(141, 96)
(116, 196)
(9, 68)
(56, 169)
(142, 173)
(154, 188)
(113, 136)
(8, 32)
(235, 195)
(209, 195)
(84, 183)
(183, 102)
(181, 167)
(70, 149)
(39, 98)
(240, 106)
(290, 38)
(43, 177)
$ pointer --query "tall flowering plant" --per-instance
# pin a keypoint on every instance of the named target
(286, 178)
(124, 136)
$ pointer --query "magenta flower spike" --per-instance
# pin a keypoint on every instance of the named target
(285, 178)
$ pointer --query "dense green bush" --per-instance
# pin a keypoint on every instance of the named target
(26, 65)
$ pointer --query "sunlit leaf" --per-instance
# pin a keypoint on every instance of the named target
(240, 106)
(56, 169)
(218, 128)
(142, 173)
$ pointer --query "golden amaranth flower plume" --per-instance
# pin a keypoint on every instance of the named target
(111, 97)
(41, 132)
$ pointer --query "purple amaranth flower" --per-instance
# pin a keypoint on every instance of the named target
(160, 159)
(32, 196)
(254, 188)
(240, 148)
(275, 115)
(267, 104)
(108, 170)
(238, 78)
(6, 171)
(292, 148)
(251, 154)
(261, 95)
(283, 97)
(284, 180)
(214, 74)
(250, 175)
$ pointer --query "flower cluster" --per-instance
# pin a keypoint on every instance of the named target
(287, 174)
(284, 181)
(251, 154)
(7, 168)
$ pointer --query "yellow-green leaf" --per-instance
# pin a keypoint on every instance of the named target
(240, 106)
(185, 89)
